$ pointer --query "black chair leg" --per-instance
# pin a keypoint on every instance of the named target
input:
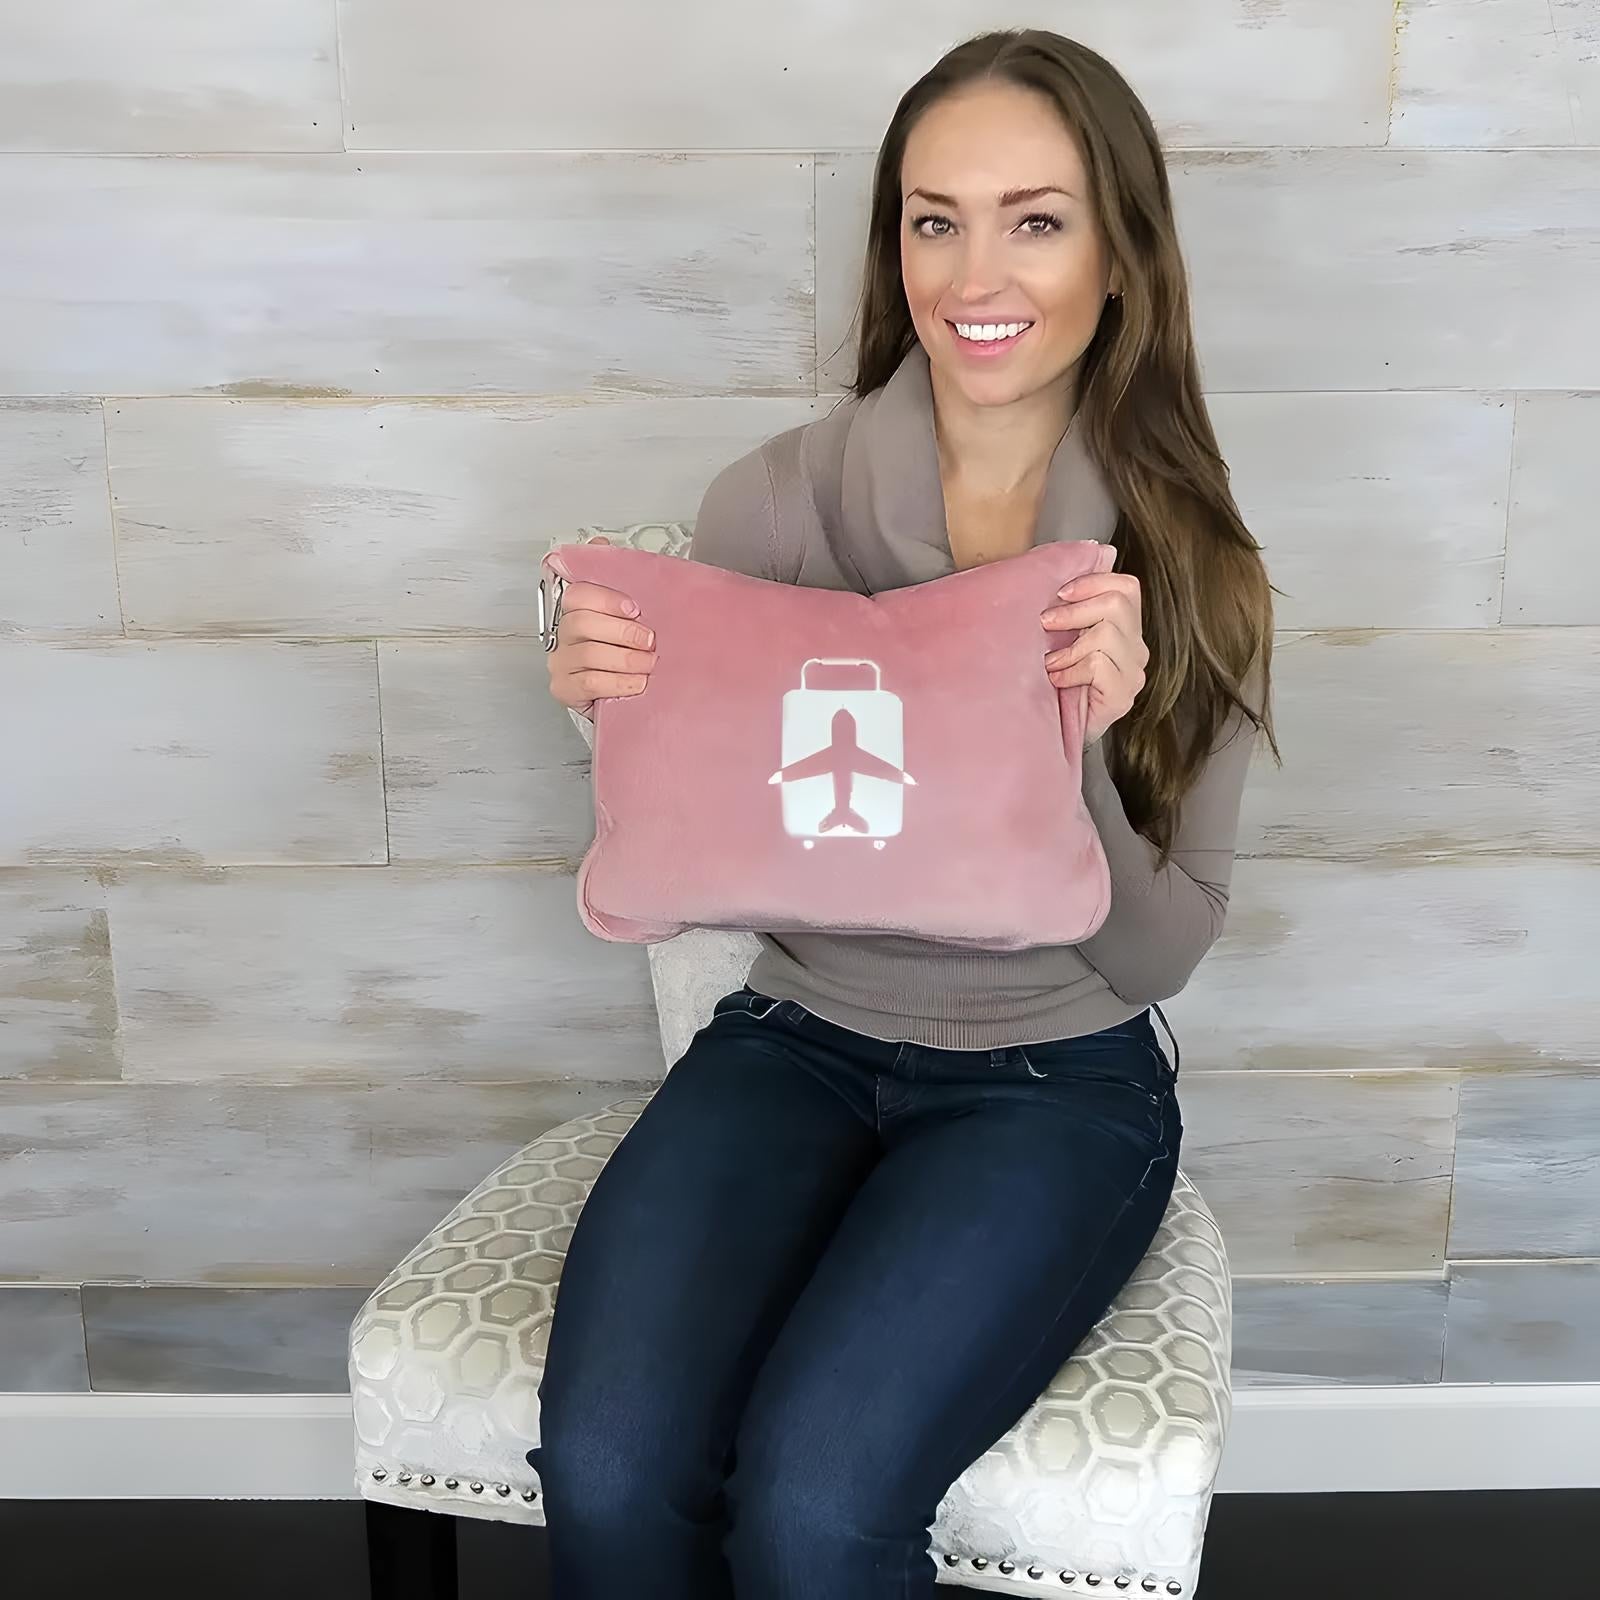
(411, 1554)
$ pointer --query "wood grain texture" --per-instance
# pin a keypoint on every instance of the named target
(103, 75)
(41, 1341)
(190, 753)
(1349, 966)
(1376, 510)
(374, 275)
(1497, 72)
(1524, 1323)
(480, 762)
(423, 75)
(1527, 1167)
(245, 1184)
(844, 201)
(1349, 1331)
(58, 1004)
(1553, 546)
(479, 975)
(256, 516)
(1400, 746)
(58, 569)
(1319, 1172)
(170, 1339)
(1361, 269)
(1342, 269)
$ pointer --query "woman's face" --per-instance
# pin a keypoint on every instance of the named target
(998, 229)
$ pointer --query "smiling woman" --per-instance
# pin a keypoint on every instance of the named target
(1024, 265)
(883, 1111)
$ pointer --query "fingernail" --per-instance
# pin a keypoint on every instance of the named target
(631, 608)
(649, 639)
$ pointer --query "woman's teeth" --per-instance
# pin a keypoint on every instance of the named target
(984, 332)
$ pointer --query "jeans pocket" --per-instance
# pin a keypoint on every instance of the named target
(745, 1003)
(1110, 1058)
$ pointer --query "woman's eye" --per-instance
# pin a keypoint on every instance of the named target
(1037, 225)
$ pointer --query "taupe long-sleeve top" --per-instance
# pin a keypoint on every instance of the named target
(854, 501)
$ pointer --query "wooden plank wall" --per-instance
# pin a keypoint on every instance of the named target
(319, 317)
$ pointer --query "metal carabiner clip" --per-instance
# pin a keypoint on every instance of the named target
(550, 610)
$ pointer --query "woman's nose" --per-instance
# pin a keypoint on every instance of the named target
(980, 272)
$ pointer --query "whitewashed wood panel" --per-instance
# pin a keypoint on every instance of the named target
(423, 74)
(844, 199)
(248, 1184)
(1527, 1166)
(1401, 746)
(58, 1005)
(1342, 269)
(191, 753)
(104, 75)
(283, 976)
(1524, 1323)
(1497, 72)
(1349, 1331)
(41, 1341)
(480, 762)
(1323, 1172)
(58, 569)
(406, 275)
(1342, 965)
(178, 1339)
(1393, 269)
(1553, 547)
(1375, 510)
(253, 516)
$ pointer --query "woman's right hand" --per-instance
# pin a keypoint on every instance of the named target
(603, 652)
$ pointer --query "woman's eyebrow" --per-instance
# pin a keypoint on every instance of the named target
(1012, 197)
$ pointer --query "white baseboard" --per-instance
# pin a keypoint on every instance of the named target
(1283, 1440)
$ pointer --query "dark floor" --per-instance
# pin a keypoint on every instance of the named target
(1484, 1546)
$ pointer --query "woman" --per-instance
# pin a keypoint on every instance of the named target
(890, 1187)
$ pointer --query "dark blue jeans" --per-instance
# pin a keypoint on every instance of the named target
(817, 1279)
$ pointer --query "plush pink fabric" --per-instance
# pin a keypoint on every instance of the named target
(810, 759)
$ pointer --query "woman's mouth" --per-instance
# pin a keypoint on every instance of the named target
(985, 340)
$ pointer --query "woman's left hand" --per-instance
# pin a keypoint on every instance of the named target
(1109, 654)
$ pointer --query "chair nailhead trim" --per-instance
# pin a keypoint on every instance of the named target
(1007, 1567)
(427, 1480)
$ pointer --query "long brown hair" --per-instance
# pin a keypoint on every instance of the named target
(1207, 604)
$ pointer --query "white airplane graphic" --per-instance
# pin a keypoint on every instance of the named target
(844, 761)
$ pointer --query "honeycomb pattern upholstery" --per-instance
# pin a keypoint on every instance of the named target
(1103, 1487)
(1108, 1476)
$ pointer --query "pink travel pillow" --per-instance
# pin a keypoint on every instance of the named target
(806, 759)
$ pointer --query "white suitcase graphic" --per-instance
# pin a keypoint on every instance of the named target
(843, 771)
